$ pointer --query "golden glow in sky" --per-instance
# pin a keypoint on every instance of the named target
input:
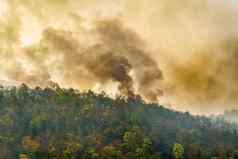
(3, 7)
(30, 31)
(192, 43)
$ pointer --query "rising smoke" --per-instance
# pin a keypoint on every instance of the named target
(181, 53)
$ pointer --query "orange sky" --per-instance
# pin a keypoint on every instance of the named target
(192, 42)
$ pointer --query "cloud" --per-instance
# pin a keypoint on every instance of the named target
(178, 52)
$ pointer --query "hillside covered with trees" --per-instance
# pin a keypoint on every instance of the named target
(56, 123)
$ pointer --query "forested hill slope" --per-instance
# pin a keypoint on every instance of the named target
(55, 123)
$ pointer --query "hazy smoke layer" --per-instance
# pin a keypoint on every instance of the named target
(184, 50)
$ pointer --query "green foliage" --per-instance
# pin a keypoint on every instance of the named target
(56, 123)
(178, 151)
(38, 121)
(6, 120)
(110, 152)
(91, 153)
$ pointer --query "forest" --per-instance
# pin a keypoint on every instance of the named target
(58, 123)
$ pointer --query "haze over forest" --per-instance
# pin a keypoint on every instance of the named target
(182, 54)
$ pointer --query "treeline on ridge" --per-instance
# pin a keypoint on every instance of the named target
(57, 123)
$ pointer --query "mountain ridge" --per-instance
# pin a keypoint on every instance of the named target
(66, 123)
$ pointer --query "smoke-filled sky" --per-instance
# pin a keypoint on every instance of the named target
(183, 54)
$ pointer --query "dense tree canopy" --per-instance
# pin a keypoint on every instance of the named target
(56, 123)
